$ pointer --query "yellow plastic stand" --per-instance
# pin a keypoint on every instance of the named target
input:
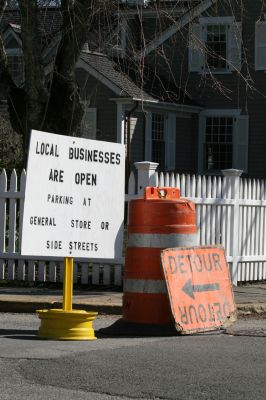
(66, 324)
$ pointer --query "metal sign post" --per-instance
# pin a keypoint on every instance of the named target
(68, 283)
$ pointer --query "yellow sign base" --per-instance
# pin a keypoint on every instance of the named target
(66, 325)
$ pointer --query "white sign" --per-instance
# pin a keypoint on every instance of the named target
(74, 200)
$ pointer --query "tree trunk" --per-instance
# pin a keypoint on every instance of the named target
(35, 85)
(64, 95)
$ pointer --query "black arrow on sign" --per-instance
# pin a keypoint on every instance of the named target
(190, 289)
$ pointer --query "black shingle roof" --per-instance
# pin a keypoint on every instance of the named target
(150, 86)
(110, 70)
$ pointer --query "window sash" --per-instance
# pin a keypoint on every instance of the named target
(219, 143)
(16, 67)
(158, 139)
(216, 42)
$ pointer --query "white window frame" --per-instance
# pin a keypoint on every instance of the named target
(216, 20)
(197, 44)
(169, 138)
(231, 113)
(119, 50)
(259, 46)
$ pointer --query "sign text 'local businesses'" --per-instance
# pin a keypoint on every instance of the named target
(79, 196)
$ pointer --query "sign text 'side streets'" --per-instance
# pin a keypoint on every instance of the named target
(74, 199)
(199, 288)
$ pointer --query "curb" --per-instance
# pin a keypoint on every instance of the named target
(31, 307)
(243, 309)
(251, 309)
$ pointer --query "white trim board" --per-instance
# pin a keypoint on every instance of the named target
(156, 105)
(221, 112)
(216, 20)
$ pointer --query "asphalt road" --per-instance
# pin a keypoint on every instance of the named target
(214, 366)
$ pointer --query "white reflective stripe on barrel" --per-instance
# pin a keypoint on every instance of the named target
(144, 286)
(159, 240)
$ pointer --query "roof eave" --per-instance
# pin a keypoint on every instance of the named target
(183, 108)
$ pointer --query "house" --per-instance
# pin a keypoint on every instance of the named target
(216, 51)
(120, 105)
(181, 83)
(143, 118)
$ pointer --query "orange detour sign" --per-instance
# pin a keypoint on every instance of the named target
(199, 288)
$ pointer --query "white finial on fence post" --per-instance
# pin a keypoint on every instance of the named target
(146, 175)
(232, 172)
(233, 177)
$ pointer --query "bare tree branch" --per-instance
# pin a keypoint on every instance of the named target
(34, 72)
(5, 77)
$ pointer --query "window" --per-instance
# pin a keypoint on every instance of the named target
(158, 140)
(215, 45)
(16, 67)
(13, 48)
(219, 143)
(223, 140)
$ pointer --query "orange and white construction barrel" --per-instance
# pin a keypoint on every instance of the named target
(160, 220)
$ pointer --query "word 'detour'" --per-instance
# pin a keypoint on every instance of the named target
(205, 313)
(185, 263)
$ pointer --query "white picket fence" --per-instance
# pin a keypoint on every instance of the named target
(15, 267)
(230, 211)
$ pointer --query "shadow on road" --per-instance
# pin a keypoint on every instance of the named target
(21, 334)
(126, 329)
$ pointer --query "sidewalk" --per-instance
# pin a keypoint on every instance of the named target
(250, 299)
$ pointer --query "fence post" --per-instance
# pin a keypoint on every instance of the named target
(233, 176)
(146, 175)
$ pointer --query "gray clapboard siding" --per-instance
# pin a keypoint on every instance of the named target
(224, 91)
